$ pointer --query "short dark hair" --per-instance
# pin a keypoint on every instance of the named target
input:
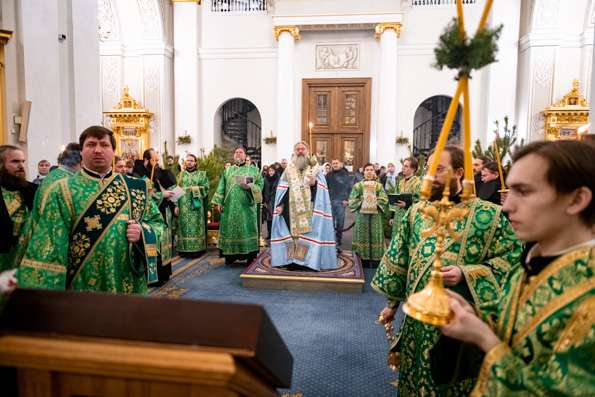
(457, 156)
(412, 162)
(71, 155)
(147, 154)
(491, 166)
(97, 131)
(570, 167)
(368, 165)
(484, 159)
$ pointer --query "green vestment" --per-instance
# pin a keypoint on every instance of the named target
(38, 204)
(46, 185)
(58, 257)
(165, 238)
(238, 230)
(19, 214)
(485, 254)
(547, 327)
(411, 185)
(191, 233)
(368, 234)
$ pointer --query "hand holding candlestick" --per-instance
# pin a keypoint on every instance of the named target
(431, 305)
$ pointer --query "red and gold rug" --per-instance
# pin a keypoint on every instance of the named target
(348, 276)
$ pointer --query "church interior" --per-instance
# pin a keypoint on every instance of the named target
(192, 82)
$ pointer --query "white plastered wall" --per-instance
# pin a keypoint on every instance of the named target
(136, 51)
(60, 76)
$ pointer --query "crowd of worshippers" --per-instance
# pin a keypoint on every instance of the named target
(519, 269)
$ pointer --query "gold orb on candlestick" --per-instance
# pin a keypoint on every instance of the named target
(431, 305)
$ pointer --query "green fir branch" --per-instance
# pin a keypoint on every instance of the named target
(464, 54)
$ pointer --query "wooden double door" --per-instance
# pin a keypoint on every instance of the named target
(336, 119)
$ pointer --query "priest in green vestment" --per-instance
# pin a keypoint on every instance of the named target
(369, 202)
(160, 181)
(475, 266)
(191, 210)
(409, 183)
(98, 230)
(238, 194)
(16, 201)
(539, 339)
(69, 162)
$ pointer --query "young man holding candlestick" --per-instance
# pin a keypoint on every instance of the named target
(474, 265)
(539, 339)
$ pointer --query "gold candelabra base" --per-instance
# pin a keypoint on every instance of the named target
(430, 305)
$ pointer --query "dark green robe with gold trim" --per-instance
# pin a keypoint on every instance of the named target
(485, 254)
(191, 233)
(405, 185)
(547, 327)
(239, 227)
(108, 267)
(19, 214)
(39, 202)
(368, 233)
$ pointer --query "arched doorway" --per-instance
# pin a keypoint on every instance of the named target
(240, 124)
(428, 121)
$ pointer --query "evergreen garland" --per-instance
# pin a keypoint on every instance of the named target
(464, 54)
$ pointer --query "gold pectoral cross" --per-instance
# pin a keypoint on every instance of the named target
(93, 223)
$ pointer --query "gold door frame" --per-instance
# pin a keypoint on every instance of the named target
(130, 123)
(564, 118)
(5, 35)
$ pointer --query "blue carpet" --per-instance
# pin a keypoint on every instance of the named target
(338, 349)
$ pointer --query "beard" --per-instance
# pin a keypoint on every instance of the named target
(12, 182)
(300, 161)
(438, 190)
(191, 169)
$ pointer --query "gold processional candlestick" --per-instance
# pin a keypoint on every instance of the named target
(431, 305)
(462, 89)
(503, 188)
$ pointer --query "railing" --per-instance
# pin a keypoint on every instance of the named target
(425, 3)
(237, 127)
(426, 134)
(239, 5)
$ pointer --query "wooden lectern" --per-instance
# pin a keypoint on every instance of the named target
(73, 344)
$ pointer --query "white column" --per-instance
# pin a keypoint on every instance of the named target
(500, 88)
(41, 76)
(186, 90)
(386, 131)
(87, 76)
(286, 134)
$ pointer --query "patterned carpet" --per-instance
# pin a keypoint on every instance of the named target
(338, 349)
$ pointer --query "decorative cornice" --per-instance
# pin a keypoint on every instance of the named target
(5, 35)
(293, 30)
(382, 27)
(186, 1)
